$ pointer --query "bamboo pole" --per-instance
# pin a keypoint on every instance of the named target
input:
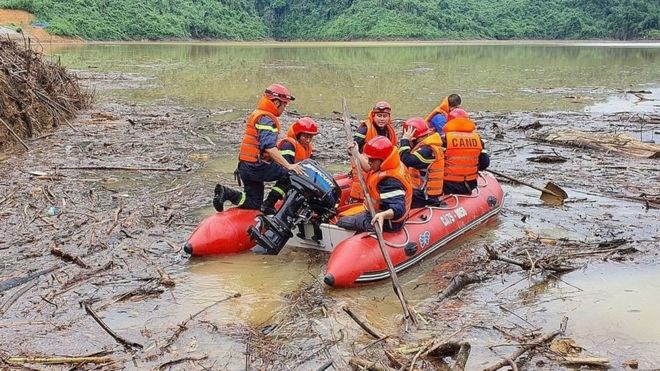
(14, 134)
(57, 360)
(408, 314)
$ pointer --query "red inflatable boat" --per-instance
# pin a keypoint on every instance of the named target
(359, 259)
(356, 258)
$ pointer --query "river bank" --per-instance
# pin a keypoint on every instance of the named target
(94, 217)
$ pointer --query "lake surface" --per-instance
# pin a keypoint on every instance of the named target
(413, 77)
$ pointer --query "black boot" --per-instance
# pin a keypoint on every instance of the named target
(268, 206)
(223, 194)
(219, 197)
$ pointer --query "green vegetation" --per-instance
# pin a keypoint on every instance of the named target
(347, 19)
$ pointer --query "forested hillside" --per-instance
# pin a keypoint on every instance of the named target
(347, 19)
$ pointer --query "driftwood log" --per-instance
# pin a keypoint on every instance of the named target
(621, 143)
(457, 283)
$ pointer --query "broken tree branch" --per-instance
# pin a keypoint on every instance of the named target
(68, 257)
(180, 360)
(494, 255)
(363, 364)
(361, 323)
(165, 278)
(124, 342)
(182, 326)
(542, 340)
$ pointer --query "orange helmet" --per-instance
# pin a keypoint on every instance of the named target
(305, 125)
(379, 148)
(457, 112)
(382, 106)
(419, 124)
(279, 91)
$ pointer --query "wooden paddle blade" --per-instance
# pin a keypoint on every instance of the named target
(555, 196)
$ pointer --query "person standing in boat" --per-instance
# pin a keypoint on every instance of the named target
(439, 116)
(259, 158)
(378, 122)
(465, 154)
(389, 186)
(297, 146)
(420, 149)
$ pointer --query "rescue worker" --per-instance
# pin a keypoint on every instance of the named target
(421, 151)
(297, 146)
(259, 159)
(378, 122)
(389, 186)
(439, 116)
(464, 155)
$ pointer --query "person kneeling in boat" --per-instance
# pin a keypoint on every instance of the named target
(440, 115)
(389, 186)
(378, 122)
(297, 146)
(259, 159)
(420, 149)
(465, 154)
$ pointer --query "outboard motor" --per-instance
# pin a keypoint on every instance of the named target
(311, 197)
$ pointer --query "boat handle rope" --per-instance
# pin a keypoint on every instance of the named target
(392, 244)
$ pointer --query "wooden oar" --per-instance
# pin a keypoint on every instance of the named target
(555, 193)
(370, 206)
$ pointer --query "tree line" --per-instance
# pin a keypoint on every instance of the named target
(347, 19)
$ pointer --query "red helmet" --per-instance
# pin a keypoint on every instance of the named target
(420, 125)
(457, 112)
(305, 125)
(379, 148)
(278, 91)
(382, 106)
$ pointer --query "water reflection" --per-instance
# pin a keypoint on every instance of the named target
(412, 77)
(629, 102)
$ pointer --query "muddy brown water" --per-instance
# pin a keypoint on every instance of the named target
(610, 304)
(413, 77)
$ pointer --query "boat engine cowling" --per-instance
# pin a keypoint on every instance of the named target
(311, 197)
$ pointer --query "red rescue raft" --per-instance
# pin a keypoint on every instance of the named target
(359, 259)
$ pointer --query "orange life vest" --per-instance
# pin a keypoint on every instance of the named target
(372, 132)
(442, 108)
(301, 152)
(462, 152)
(432, 182)
(249, 150)
(356, 190)
(392, 167)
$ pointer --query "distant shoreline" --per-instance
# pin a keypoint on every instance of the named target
(369, 43)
